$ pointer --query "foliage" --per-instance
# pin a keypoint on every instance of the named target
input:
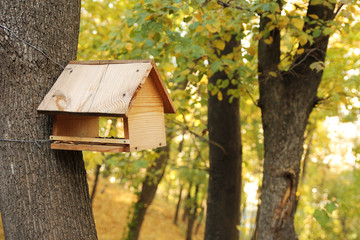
(185, 39)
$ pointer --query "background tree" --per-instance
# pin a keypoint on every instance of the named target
(44, 193)
(286, 100)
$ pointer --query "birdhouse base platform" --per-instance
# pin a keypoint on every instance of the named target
(90, 144)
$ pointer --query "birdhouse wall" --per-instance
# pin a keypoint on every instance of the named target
(75, 126)
(146, 123)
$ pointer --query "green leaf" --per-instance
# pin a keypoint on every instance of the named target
(321, 217)
(316, 33)
(330, 207)
(187, 19)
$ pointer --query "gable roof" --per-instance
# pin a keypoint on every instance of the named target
(105, 87)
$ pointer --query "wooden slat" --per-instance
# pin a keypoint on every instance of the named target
(102, 62)
(88, 147)
(95, 140)
(102, 87)
(146, 119)
(75, 89)
(118, 87)
(169, 106)
(74, 125)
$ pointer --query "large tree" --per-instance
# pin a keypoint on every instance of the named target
(43, 193)
(223, 204)
(287, 97)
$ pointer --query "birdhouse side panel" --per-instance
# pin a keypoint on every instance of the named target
(146, 120)
(75, 126)
(146, 128)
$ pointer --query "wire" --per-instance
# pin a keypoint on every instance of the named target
(26, 141)
(32, 46)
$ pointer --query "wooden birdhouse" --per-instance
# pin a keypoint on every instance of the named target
(131, 91)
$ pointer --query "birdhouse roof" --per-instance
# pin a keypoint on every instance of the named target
(102, 87)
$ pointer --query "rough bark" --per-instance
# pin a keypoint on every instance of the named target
(153, 177)
(43, 193)
(93, 191)
(223, 204)
(178, 205)
(192, 215)
(286, 102)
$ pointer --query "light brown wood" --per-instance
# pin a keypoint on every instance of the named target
(118, 87)
(75, 89)
(95, 89)
(87, 139)
(146, 119)
(74, 125)
(169, 106)
(119, 61)
(89, 147)
(102, 87)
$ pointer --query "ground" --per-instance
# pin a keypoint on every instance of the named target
(111, 206)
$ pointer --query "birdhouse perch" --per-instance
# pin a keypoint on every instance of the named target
(131, 90)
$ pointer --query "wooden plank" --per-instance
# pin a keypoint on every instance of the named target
(75, 89)
(102, 87)
(126, 127)
(146, 119)
(86, 139)
(147, 129)
(169, 106)
(147, 95)
(118, 61)
(76, 126)
(118, 87)
(89, 147)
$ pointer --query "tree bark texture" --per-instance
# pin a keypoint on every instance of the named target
(43, 193)
(223, 204)
(153, 177)
(286, 102)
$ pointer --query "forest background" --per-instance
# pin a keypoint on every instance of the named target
(185, 40)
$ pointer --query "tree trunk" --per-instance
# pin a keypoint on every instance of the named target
(153, 177)
(187, 204)
(93, 192)
(286, 101)
(200, 219)
(192, 215)
(44, 193)
(223, 204)
(178, 205)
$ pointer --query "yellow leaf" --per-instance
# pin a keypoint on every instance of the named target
(148, 17)
(300, 51)
(199, 28)
(214, 91)
(129, 46)
(220, 96)
(198, 16)
(227, 37)
(273, 74)
(211, 28)
(303, 40)
(314, 16)
(219, 44)
(269, 40)
(204, 80)
(284, 21)
(251, 50)
(298, 23)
